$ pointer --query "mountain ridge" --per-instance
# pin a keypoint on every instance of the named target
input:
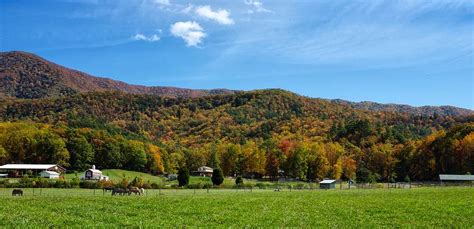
(28, 76)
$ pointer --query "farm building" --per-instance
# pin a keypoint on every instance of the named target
(93, 174)
(203, 171)
(49, 174)
(327, 184)
(452, 178)
(19, 170)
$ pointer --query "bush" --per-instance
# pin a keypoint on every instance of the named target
(217, 176)
(155, 185)
(207, 186)
(183, 176)
(300, 186)
(261, 186)
(89, 184)
(239, 181)
(195, 186)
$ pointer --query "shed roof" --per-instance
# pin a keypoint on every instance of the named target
(29, 166)
(455, 177)
(327, 181)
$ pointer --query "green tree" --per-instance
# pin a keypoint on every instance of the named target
(135, 156)
(217, 176)
(183, 176)
(239, 181)
(82, 154)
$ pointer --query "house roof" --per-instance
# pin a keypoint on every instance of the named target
(327, 181)
(50, 172)
(456, 177)
(205, 169)
(94, 170)
(29, 166)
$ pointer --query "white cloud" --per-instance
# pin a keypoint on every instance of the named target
(162, 2)
(141, 37)
(189, 31)
(257, 7)
(220, 16)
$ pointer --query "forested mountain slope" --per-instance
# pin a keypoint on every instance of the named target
(51, 114)
(250, 133)
(423, 110)
(25, 75)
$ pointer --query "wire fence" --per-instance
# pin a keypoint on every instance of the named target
(71, 192)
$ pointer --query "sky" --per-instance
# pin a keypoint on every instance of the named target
(406, 52)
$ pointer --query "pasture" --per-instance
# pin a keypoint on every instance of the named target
(116, 175)
(419, 207)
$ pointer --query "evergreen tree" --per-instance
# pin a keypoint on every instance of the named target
(183, 176)
(217, 176)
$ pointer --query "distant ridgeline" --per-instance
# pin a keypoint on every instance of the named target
(51, 114)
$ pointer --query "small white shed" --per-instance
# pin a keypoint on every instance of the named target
(49, 174)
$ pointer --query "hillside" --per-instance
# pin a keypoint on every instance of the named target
(28, 76)
(49, 116)
(423, 110)
(25, 75)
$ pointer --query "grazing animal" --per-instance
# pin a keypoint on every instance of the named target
(142, 190)
(120, 191)
(17, 192)
(135, 190)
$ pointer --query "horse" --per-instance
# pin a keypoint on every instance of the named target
(120, 191)
(17, 192)
(135, 190)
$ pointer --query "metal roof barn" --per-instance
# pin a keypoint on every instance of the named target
(20, 169)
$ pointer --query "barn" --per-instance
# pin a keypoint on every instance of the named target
(49, 174)
(93, 174)
(327, 184)
(19, 170)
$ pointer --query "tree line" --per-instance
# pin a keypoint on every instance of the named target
(343, 156)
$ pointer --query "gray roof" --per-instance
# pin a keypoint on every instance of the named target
(327, 181)
(456, 177)
(29, 166)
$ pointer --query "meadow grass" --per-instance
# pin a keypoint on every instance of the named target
(420, 207)
(116, 175)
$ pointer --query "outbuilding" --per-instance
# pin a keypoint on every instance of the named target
(93, 174)
(49, 174)
(19, 170)
(456, 179)
(327, 184)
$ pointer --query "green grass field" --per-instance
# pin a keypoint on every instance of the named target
(116, 175)
(419, 207)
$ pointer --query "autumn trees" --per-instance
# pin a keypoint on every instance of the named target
(268, 133)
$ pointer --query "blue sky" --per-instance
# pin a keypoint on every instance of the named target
(409, 52)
